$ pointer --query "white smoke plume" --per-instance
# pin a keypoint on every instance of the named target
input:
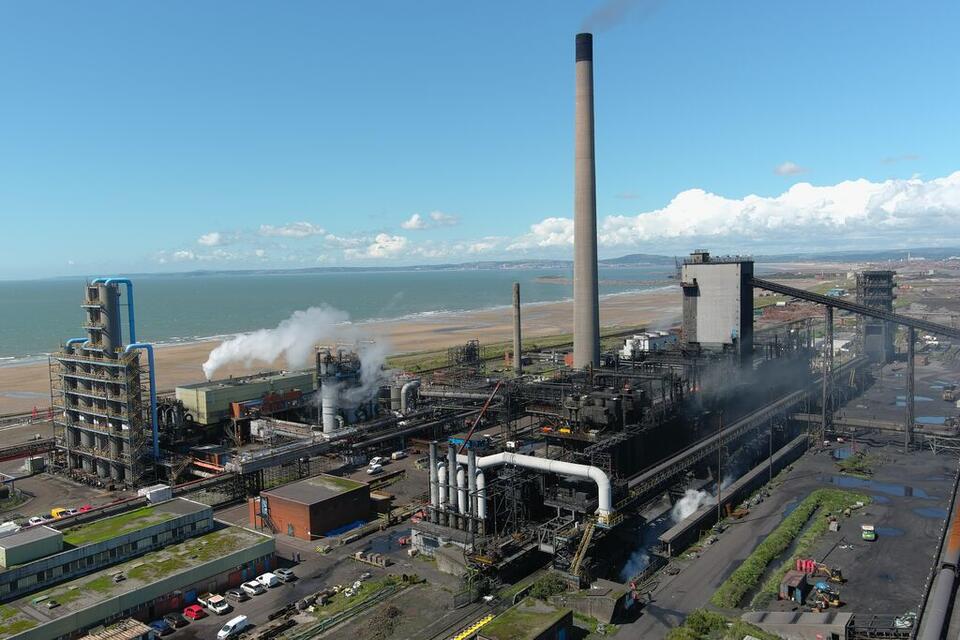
(639, 560)
(689, 503)
(293, 340)
(373, 356)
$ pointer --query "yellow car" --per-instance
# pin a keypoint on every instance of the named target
(58, 512)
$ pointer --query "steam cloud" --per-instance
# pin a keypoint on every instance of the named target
(689, 503)
(613, 12)
(293, 340)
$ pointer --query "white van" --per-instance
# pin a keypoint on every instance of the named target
(269, 580)
(233, 627)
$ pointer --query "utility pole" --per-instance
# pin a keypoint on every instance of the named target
(719, 465)
(770, 453)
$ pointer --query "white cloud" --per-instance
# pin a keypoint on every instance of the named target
(343, 242)
(383, 246)
(183, 256)
(789, 169)
(260, 253)
(415, 221)
(212, 239)
(442, 219)
(436, 219)
(292, 230)
(850, 210)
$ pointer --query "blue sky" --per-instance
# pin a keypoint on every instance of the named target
(182, 135)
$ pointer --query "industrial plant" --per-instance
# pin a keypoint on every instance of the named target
(565, 460)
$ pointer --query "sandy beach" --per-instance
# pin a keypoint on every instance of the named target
(24, 386)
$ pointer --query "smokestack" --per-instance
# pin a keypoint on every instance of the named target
(586, 300)
(517, 349)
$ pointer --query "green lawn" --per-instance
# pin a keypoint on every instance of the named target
(117, 525)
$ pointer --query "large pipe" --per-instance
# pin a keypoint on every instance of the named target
(559, 467)
(517, 346)
(451, 478)
(472, 482)
(131, 321)
(329, 395)
(938, 604)
(434, 493)
(405, 395)
(456, 395)
(441, 483)
(586, 300)
(481, 496)
(146, 346)
(462, 491)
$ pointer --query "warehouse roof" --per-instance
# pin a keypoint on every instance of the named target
(315, 489)
(30, 534)
(210, 385)
(528, 619)
(129, 521)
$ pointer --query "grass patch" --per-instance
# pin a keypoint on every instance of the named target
(13, 627)
(118, 525)
(821, 502)
(707, 625)
(523, 620)
(860, 465)
(340, 602)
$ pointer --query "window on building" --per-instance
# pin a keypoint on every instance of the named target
(290, 530)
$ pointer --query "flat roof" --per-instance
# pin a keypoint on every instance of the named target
(315, 489)
(79, 594)
(29, 534)
(528, 619)
(129, 521)
(223, 383)
(124, 630)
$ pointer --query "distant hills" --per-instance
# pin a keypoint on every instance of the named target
(626, 261)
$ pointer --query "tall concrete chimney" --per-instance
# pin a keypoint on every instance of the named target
(517, 347)
(586, 300)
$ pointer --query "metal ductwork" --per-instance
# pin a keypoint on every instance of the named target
(406, 395)
(559, 467)
(586, 299)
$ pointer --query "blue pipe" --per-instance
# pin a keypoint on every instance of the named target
(153, 394)
(73, 341)
(130, 315)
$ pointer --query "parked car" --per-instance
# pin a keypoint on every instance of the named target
(377, 460)
(233, 627)
(58, 512)
(176, 620)
(194, 612)
(35, 520)
(253, 588)
(269, 579)
(161, 627)
(285, 575)
(217, 604)
(398, 455)
(85, 508)
(374, 469)
(237, 595)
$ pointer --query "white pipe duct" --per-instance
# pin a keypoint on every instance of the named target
(472, 482)
(461, 490)
(405, 395)
(442, 487)
(434, 497)
(451, 478)
(481, 496)
(559, 467)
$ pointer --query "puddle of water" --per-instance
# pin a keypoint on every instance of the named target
(931, 512)
(932, 419)
(903, 398)
(889, 531)
(842, 453)
(790, 506)
(849, 482)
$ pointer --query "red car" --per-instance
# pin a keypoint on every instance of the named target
(194, 612)
(85, 508)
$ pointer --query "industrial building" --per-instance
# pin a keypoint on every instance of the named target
(212, 402)
(311, 508)
(529, 620)
(101, 425)
(141, 564)
(722, 288)
(875, 289)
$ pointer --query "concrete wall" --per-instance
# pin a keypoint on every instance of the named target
(130, 603)
(79, 561)
(718, 304)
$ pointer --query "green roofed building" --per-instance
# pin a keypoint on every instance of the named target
(529, 620)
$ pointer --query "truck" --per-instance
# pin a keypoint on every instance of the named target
(868, 532)
(950, 392)
(217, 604)
(398, 455)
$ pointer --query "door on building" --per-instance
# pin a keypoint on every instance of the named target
(290, 530)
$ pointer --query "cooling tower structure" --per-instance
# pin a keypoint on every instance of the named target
(586, 301)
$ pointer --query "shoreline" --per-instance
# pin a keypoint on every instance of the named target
(38, 359)
(24, 385)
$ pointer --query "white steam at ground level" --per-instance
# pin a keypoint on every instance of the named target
(691, 501)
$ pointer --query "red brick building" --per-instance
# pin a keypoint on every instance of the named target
(310, 508)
